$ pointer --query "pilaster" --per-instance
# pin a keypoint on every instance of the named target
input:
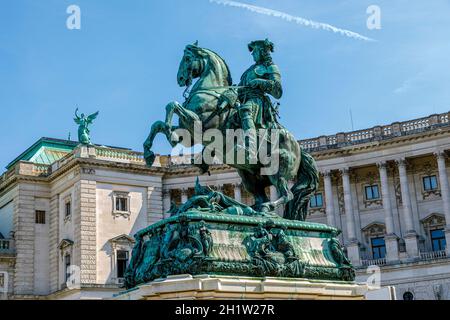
(24, 227)
(329, 203)
(155, 210)
(86, 230)
(53, 243)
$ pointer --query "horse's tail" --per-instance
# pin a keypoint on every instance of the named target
(305, 186)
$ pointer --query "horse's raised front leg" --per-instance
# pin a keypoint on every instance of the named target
(157, 127)
(187, 119)
(170, 110)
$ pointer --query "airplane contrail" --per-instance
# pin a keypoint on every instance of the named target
(291, 18)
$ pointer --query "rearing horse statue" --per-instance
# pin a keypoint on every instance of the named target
(205, 105)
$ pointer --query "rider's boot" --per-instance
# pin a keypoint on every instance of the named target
(249, 135)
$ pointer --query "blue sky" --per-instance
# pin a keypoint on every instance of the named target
(124, 60)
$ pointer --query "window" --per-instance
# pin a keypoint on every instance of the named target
(121, 204)
(122, 262)
(437, 239)
(68, 208)
(40, 217)
(372, 192)
(316, 201)
(430, 183)
(378, 248)
(67, 266)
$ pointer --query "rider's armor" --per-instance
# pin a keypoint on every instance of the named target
(256, 107)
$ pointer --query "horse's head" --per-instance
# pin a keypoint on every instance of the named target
(196, 60)
(190, 66)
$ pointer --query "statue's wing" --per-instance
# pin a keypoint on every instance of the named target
(92, 117)
(77, 118)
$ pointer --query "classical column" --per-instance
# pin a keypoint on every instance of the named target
(166, 203)
(329, 203)
(391, 239)
(445, 194)
(348, 204)
(237, 192)
(411, 241)
(184, 195)
(353, 245)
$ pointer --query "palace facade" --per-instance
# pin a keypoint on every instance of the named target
(65, 206)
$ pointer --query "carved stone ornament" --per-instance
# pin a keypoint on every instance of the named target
(173, 249)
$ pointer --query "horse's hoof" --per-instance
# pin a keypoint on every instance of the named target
(149, 158)
(267, 208)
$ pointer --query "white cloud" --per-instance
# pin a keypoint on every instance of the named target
(291, 18)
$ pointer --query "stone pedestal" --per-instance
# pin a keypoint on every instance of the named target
(207, 287)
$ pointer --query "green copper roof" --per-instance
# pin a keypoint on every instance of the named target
(45, 151)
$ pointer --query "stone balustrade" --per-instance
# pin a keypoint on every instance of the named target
(119, 155)
(373, 262)
(41, 169)
(28, 169)
(376, 133)
(433, 255)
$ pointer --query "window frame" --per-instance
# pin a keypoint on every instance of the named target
(67, 258)
(67, 208)
(442, 240)
(315, 199)
(371, 187)
(118, 196)
(40, 217)
(378, 248)
(429, 177)
(127, 261)
(121, 204)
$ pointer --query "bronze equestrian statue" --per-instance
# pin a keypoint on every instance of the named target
(215, 103)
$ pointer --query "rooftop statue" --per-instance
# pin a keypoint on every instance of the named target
(83, 128)
(215, 103)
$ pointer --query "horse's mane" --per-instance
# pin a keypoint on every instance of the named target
(214, 55)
